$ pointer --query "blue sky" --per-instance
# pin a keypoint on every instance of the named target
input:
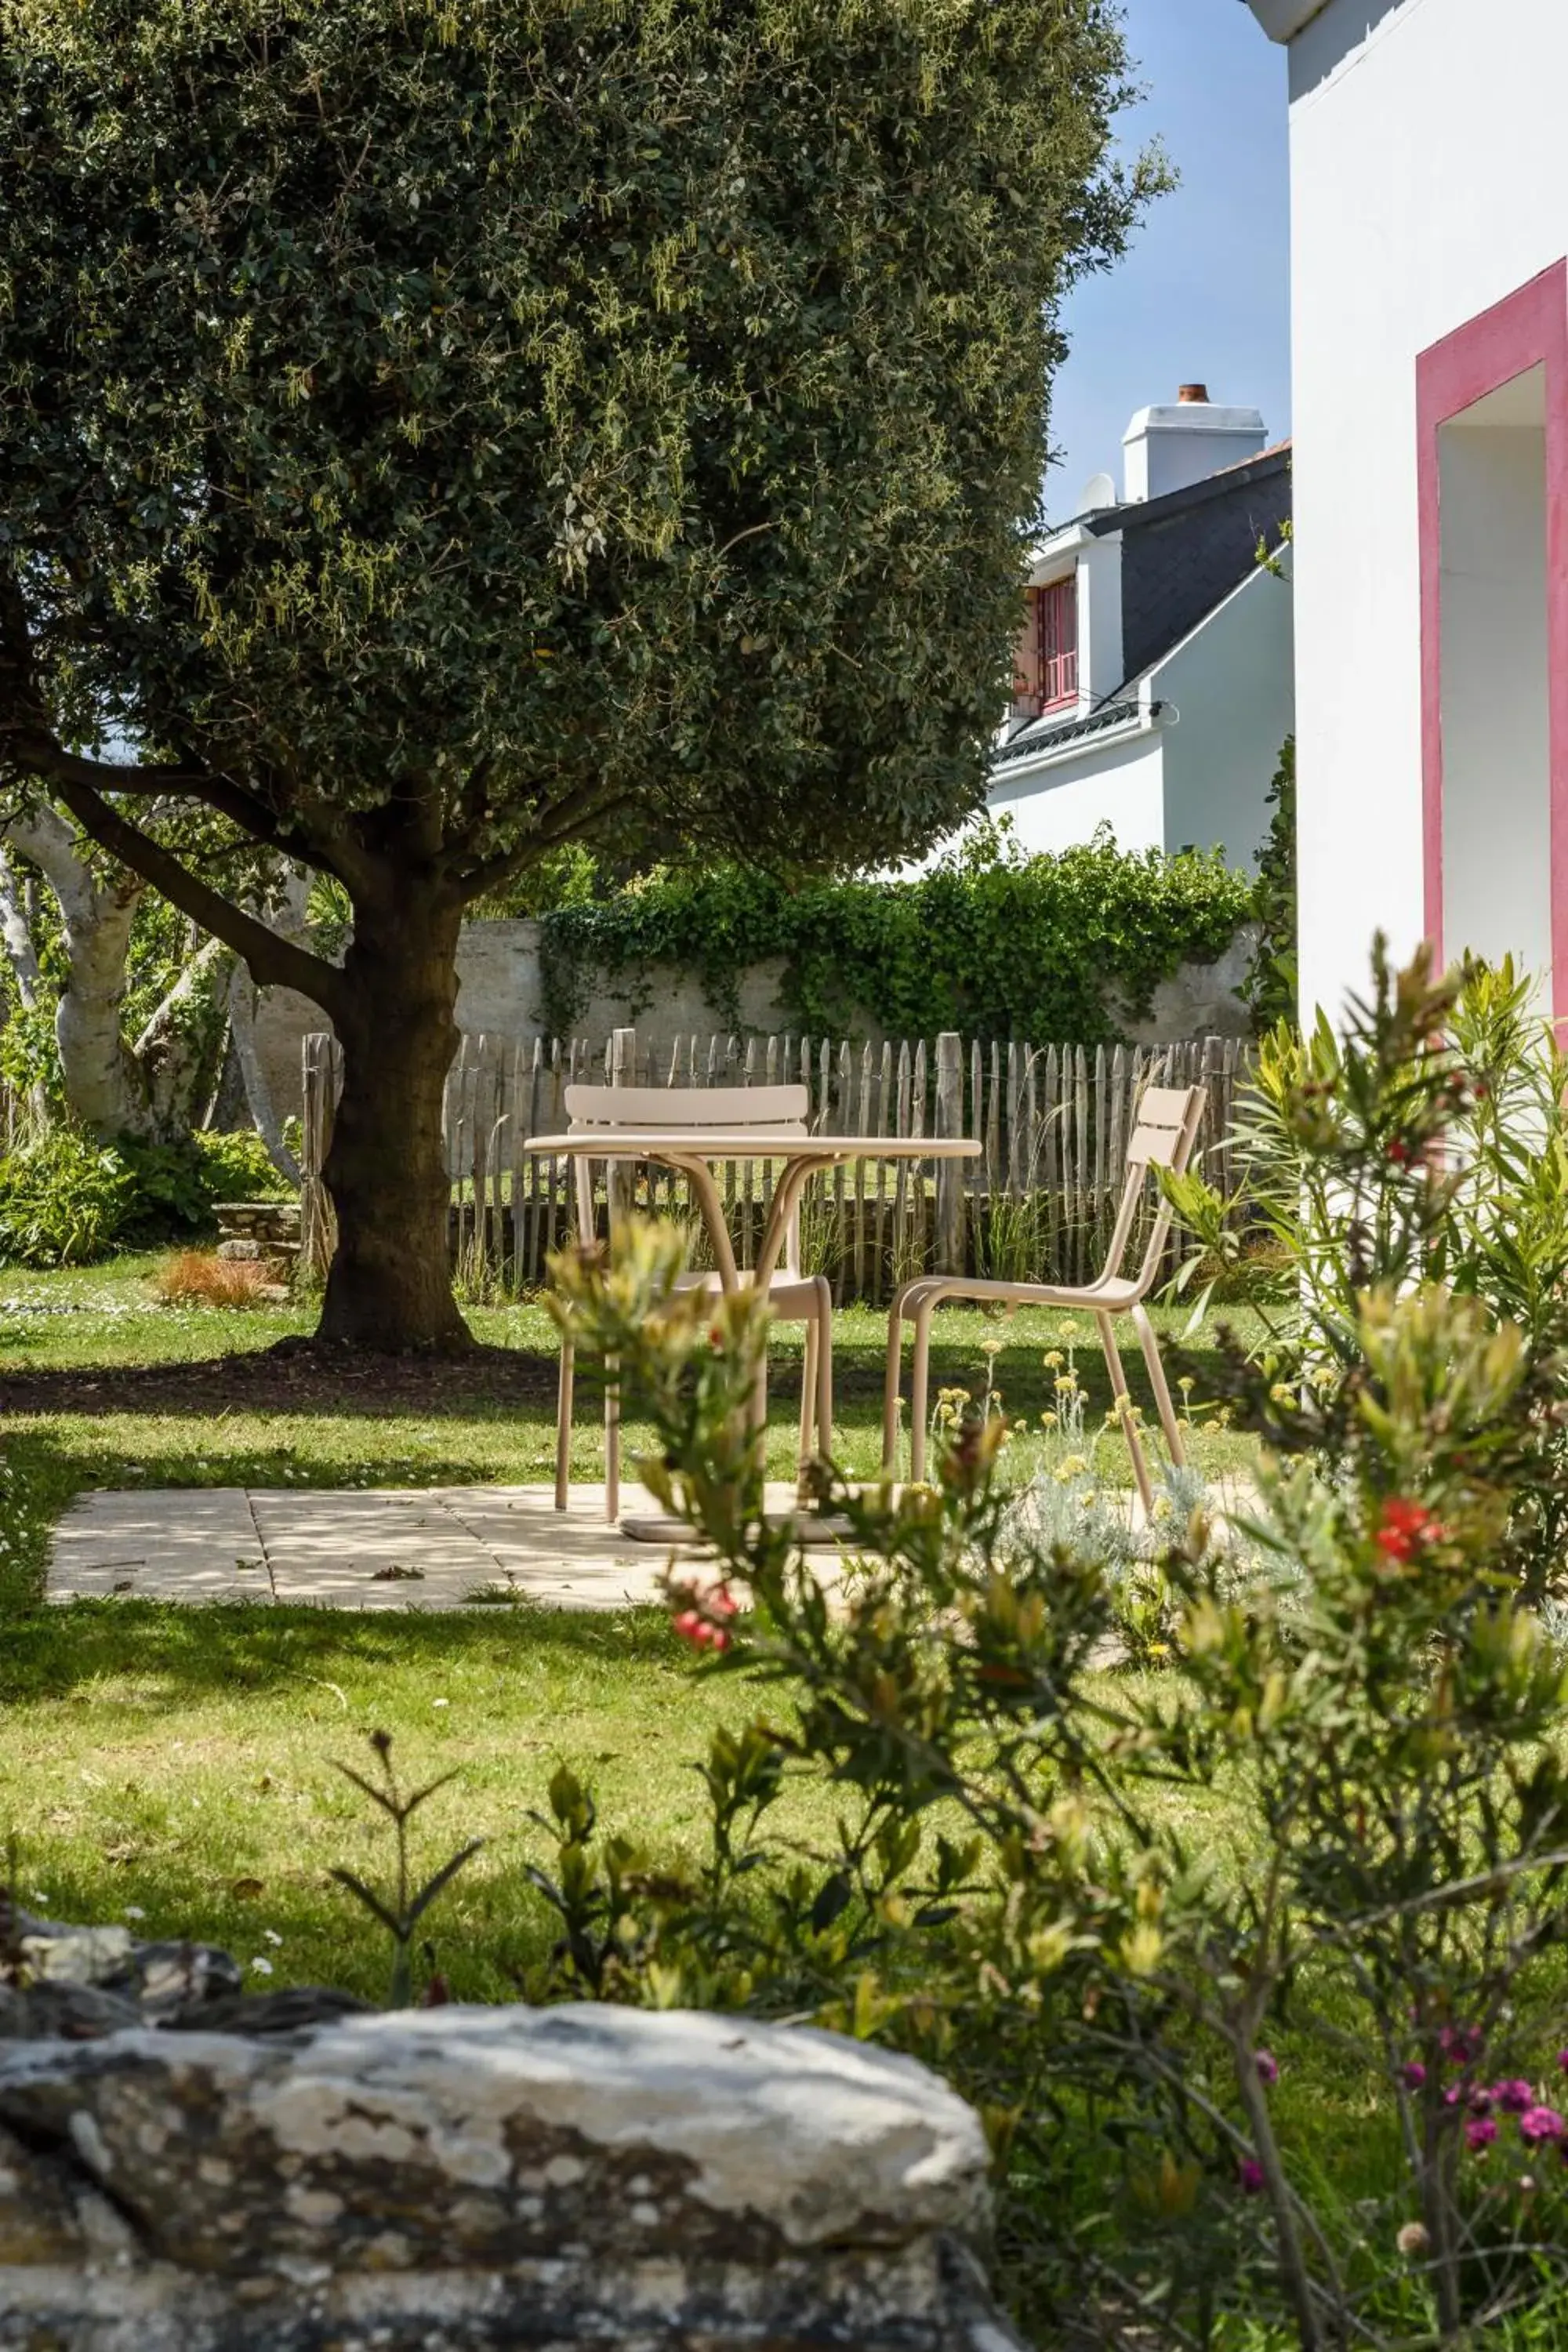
(1204, 294)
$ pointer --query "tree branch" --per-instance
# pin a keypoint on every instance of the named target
(564, 822)
(273, 963)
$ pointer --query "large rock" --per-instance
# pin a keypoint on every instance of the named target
(464, 2177)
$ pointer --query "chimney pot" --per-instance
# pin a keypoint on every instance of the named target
(1189, 393)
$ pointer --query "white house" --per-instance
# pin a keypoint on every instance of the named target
(1429, 204)
(1154, 685)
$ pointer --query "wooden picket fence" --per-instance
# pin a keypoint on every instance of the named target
(1037, 1203)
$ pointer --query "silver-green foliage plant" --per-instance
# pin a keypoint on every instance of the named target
(1128, 1913)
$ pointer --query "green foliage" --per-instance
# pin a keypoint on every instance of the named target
(1065, 949)
(553, 415)
(1427, 1144)
(1270, 986)
(403, 1908)
(67, 1201)
(1012, 1895)
(64, 1200)
(236, 1167)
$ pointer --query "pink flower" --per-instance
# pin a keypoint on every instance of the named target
(1538, 2123)
(1480, 2133)
(1562, 2060)
(1461, 2044)
(1268, 2065)
(1249, 2177)
(1514, 2097)
(1413, 2076)
(1480, 2103)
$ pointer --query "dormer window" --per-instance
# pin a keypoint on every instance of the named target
(1047, 657)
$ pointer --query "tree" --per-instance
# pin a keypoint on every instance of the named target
(432, 435)
(153, 1084)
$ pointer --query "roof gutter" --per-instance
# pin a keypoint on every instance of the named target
(1283, 19)
(1148, 719)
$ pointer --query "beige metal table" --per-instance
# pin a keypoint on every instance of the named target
(692, 1152)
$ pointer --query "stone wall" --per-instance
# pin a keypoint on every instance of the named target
(466, 2177)
(500, 992)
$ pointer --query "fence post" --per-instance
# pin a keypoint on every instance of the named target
(950, 1172)
(621, 1190)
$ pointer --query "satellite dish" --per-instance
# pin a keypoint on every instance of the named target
(1099, 490)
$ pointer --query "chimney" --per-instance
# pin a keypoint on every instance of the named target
(1167, 448)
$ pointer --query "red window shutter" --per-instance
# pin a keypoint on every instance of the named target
(1056, 662)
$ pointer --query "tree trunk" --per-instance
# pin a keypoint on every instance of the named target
(389, 1287)
(179, 1052)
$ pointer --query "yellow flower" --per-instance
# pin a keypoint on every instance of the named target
(1048, 1421)
(1185, 1383)
(1282, 1394)
(1067, 1384)
(1053, 1359)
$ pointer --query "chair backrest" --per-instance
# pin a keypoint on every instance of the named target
(776, 1113)
(783, 1109)
(1165, 1131)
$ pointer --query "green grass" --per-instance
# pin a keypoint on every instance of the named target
(158, 1758)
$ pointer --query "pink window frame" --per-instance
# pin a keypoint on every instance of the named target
(1527, 329)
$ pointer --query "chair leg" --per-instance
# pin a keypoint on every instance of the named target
(563, 1427)
(902, 1306)
(612, 1439)
(1161, 1386)
(1123, 1402)
(808, 1443)
(920, 1380)
(824, 1369)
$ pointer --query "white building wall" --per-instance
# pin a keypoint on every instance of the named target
(1057, 808)
(1427, 179)
(1231, 688)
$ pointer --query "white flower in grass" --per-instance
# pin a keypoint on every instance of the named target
(271, 1935)
(133, 1911)
(261, 1967)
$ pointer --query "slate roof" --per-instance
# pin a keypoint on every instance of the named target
(1048, 734)
(1183, 554)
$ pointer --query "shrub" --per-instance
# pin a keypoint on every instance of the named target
(64, 1200)
(1368, 1848)
(237, 1167)
(1427, 1144)
(200, 1278)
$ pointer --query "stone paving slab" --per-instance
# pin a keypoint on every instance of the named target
(207, 1547)
(394, 1548)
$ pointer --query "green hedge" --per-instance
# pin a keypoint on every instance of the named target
(990, 943)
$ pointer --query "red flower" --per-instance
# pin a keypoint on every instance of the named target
(1403, 1528)
(703, 1624)
(1403, 1154)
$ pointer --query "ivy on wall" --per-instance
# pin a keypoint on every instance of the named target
(991, 942)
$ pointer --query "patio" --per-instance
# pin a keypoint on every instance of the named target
(435, 1547)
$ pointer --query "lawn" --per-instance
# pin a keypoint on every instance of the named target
(100, 1385)
(160, 1758)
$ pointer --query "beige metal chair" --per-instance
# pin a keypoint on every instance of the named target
(1164, 1133)
(777, 1117)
